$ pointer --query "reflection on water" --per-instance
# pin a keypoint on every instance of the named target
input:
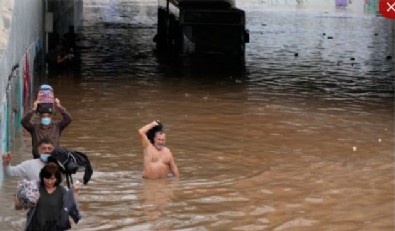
(155, 197)
(270, 148)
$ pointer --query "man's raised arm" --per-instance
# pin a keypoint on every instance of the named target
(66, 117)
(26, 120)
(143, 132)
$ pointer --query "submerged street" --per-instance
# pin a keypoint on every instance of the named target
(302, 138)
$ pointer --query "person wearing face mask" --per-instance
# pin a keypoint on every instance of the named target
(29, 169)
(158, 160)
(46, 128)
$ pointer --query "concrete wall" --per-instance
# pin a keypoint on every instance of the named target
(21, 31)
(351, 7)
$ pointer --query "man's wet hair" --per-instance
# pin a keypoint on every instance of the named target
(152, 132)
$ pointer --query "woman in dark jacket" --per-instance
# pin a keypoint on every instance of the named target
(55, 205)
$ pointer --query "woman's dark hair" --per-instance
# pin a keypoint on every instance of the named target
(49, 170)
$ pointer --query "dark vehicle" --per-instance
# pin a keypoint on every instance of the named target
(201, 28)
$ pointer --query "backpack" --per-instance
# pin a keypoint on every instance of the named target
(71, 162)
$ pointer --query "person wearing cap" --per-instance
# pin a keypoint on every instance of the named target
(46, 127)
(158, 160)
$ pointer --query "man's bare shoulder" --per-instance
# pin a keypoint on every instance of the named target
(166, 154)
(167, 150)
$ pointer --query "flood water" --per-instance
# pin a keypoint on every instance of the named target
(267, 148)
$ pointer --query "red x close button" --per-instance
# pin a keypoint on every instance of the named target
(387, 8)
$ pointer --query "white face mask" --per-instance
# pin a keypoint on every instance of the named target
(46, 121)
(44, 157)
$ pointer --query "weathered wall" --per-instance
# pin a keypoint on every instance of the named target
(21, 41)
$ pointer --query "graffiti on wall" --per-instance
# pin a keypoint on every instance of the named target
(26, 82)
(371, 6)
(4, 125)
(17, 98)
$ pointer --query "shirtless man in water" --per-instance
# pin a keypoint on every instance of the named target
(158, 160)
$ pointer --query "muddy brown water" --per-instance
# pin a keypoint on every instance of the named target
(271, 148)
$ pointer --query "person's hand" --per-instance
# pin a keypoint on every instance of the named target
(16, 203)
(57, 103)
(77, 186)
(35, 103)
(6, 157)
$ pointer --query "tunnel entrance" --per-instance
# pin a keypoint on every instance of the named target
(191, 29)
